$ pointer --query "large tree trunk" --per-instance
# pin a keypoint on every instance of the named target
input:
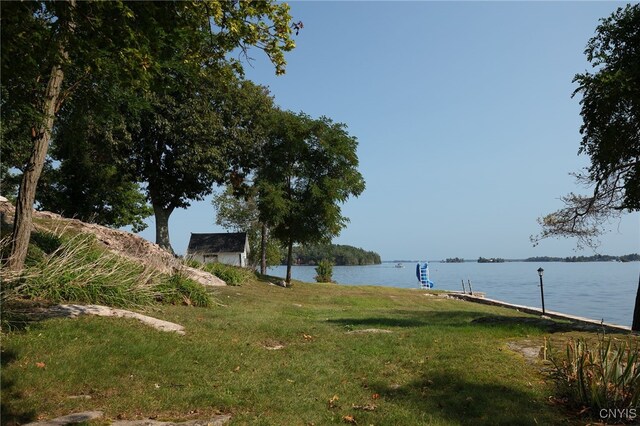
(263, 250)
(26, 196)
(162, 226)
(289, 261)
(636, 312)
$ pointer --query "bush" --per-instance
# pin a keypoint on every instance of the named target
(324, 271)
(179, 290)
(604, 377)
(232, 275)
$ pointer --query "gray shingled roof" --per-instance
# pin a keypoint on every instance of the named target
(217, 243)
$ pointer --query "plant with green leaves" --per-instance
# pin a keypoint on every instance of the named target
(610, 137)
(239, 213)
(606, 376)
(51, 49)
(324, 271)
(309, 167)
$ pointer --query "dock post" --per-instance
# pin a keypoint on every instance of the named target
(470, 290)
(464, 290)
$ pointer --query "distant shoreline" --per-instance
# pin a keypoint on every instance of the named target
(634, 257)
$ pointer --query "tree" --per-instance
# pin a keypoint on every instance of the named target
(91, 182)
(240, 214)
(309, 167)
(192, 137)
(610, 135)
(49, 49)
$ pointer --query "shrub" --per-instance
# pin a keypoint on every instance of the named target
(324, 271)
(232, 275)
(606, 376)
(179, 290)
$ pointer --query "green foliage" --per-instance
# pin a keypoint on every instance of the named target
(611, 107)
(309, 167)
(490, 260)
(48, 242)
(606, 376)
(144, 64)
(79, 271)
(338, 254)
(179, 290)
(239, 213)
(610, 110)
(232, 275)
(324, 271)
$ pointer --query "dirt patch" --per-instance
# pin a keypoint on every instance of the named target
(530, 350)
(370, 331)
(272, 345)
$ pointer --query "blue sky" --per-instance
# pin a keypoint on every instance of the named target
(463, 112)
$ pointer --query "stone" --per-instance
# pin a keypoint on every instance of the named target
(69, 419)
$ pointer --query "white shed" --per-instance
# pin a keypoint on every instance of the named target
(228, 248)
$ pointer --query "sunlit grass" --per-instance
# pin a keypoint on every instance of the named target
(278, 356)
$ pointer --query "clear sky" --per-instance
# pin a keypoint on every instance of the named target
(463, 112)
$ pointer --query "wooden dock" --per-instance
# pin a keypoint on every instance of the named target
(537, 311)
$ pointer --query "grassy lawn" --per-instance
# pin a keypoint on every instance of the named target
(274, 356)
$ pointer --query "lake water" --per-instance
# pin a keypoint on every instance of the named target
(597, 290)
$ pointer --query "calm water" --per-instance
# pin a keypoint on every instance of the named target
(597, 290)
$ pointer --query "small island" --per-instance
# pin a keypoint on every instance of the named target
(338, 254)
(490, 260)
(454, 260)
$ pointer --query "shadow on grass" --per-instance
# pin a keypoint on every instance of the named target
(464, 319)
(9, 416)
(457, 400)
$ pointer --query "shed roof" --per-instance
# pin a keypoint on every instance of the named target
(217, 243)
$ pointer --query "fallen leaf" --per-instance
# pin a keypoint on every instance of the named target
(375, 396)
(236, 369)
(40, 364)
(349, 419)
(307, 337)
(333, 400)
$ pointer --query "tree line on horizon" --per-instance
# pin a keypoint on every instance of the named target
(338, 254)
(115, 111)
(633, 257)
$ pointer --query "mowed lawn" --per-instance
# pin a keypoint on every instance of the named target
(313, 354)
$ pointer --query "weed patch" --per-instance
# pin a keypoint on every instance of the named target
(179, 290)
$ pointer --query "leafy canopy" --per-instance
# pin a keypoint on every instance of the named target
(610, 109)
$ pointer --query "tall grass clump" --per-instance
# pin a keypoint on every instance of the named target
(603, 376)
(80, 271)
(324, 271)
(180, 290)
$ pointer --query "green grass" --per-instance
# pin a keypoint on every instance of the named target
(74, 267)
(437, 366)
